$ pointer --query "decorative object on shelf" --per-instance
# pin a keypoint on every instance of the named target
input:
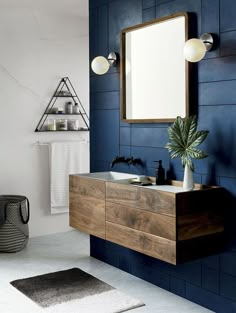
(195, 49)
(69, 107)
(76, 108)
(64, 89)
(184, 138)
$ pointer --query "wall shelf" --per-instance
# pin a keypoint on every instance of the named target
(64, 89)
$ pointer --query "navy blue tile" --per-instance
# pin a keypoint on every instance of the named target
(217, 69)
(99, 166)
(228, 43)
(122, 14)
(102, 31)
(212, 180)
(210, 23)
(228, 262)
(212, 262)
(97, 3)
(149, 155)
(125, 136)
(177, 286)
(107, 82)
(217, 93)
(168, 8)
(151, 125)
(125, 151)
(190, 272)
(105, 100)
(209, 300)
(229, 184)
(149, 137)
(148, 3)
(106, 142)
(210, 279)
(228, 286)
(158, 2)
(149, 14)
(220, 121)
(227, 15)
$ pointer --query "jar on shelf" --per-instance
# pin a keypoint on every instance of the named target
(51, 124)
(76, 108)
(69, 107)
(62, 124)
(73, 124)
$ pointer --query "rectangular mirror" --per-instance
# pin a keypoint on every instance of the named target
(154, 73)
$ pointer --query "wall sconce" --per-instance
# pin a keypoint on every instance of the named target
(100, 65)
(195, 49)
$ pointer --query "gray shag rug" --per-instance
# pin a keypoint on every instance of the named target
(74, 290)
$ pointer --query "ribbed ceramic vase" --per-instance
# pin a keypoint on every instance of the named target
(188, 183)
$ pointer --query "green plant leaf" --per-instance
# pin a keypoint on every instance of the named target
(198, 138)
(184, 138)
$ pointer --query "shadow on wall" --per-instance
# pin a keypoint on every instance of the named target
(221, 148)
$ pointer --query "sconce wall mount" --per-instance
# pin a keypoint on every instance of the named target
(195, 49)
(100, 65)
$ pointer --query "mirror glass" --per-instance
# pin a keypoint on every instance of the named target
(154, 73)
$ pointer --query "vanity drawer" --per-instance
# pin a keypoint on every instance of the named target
(141, 198)
(87, 187)
(87, 214)
(161, 248)
(149, 222)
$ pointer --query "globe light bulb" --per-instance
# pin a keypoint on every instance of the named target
(100, 65)
(194, 50)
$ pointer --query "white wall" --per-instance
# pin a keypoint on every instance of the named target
(40, 42)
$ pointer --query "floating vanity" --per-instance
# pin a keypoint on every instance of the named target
(164, 222)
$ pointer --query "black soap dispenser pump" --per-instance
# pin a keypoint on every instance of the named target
(160, 174)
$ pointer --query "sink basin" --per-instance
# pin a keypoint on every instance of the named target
(109, 176)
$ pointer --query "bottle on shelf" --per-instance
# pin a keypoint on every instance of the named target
(62, 124)
(69, 107)
(51, 124)
(76, 108)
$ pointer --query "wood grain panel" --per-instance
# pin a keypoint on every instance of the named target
(200, 200)
(87, 214)
(199, 224)
(88, 187)
(161, 248)
(142, 198)
(153, 223)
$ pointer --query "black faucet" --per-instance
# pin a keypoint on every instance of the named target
(118, 159)
(136, 161)
(131, 160)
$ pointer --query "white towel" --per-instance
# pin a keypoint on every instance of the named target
(65, 158)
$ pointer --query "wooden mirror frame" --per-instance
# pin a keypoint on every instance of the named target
(123, 103)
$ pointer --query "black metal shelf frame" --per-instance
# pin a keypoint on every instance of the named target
(64, 83)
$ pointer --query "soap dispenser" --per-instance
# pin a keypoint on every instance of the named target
(160, 174)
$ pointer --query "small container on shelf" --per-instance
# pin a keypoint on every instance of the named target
(69, 107)
(60, 111)
(51, 124)
(73, 124)
(62, 124)
(76, 108)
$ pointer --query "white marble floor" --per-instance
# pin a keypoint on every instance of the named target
(62, 251)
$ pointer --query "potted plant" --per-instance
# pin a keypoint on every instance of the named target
(184, 138)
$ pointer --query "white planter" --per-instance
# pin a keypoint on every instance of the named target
(188, 183)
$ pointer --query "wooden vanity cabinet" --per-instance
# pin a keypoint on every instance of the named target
(87, 205)
(172, 226)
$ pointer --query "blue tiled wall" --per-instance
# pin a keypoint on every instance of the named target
(210, 282)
